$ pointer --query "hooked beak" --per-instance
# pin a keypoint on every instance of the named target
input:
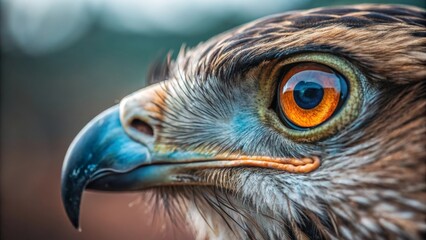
(102, 148)
(115, 152)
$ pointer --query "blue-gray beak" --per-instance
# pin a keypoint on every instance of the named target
(102, 148)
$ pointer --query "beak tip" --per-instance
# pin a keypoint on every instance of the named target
(72, 208)
(74, 218)
(76, 224)
(71, 193)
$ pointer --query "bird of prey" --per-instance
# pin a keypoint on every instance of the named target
(303, 125)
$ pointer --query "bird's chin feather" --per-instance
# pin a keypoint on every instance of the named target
(229, 208)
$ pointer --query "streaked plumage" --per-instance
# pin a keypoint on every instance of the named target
(371, 181)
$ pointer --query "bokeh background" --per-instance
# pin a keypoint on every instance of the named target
(63, 62)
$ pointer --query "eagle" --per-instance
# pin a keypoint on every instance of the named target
(302, 125)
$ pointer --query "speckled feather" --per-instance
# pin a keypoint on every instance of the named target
(371, 184)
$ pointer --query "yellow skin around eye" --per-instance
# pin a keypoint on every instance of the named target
(324, 110)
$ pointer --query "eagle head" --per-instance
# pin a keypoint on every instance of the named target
(302, 125)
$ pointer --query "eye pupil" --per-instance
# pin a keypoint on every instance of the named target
(308, 94)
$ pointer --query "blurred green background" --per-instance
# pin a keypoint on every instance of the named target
(62, 63)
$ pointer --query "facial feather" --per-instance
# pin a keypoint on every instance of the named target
(371, 181)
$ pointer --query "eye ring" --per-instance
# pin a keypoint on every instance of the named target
(349, 106)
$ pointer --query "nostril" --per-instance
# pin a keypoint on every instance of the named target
(142, 126)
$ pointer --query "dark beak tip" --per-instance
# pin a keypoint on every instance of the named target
(72, 190)
(74, 218)
(71, 200)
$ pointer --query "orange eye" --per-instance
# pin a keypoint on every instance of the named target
(309, 94)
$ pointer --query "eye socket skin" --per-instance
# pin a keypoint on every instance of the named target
(347, 109)
(309, 94)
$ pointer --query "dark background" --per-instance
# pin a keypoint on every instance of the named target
(49, 92)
